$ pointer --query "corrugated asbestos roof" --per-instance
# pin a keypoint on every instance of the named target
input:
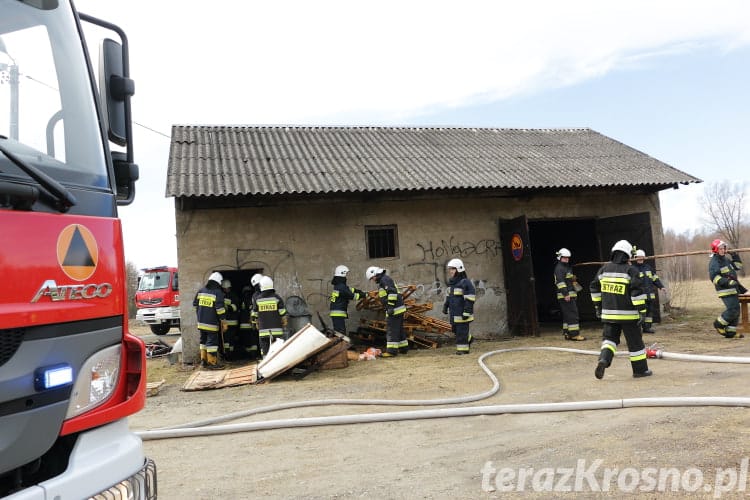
(245, 160)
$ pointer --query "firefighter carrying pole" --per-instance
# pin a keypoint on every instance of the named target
(666, 255)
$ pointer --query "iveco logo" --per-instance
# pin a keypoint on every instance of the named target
(72, 292)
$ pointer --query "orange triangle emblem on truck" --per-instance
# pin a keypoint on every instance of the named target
(77, 252)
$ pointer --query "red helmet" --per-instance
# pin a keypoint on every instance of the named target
(716, 244)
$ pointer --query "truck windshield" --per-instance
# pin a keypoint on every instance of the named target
(47, 113)
(154, 281)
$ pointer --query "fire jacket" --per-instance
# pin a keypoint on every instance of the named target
(246, 307)
(564, 279)
(459, 302)
(617, 292)
(722, 269)
(209, 307)
(650, 280)
(340, 297)
(269, 309)
(232, 307)
(390, 297)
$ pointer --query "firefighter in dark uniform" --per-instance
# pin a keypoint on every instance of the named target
(340, 297)
(270, 314)
(393, 304)
(617, 294)
(248, 324)
(567, 294)
(210, 313)
(459, 304)
(651, 283)
(232, 308)
(722, 270)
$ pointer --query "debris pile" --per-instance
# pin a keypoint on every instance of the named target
(416, 323)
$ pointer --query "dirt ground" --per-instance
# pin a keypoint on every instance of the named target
(644, 451)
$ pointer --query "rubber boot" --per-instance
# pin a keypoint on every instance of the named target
(640, 368)
(204, 358)
(605, 360)
(720, 327)
(213, 361)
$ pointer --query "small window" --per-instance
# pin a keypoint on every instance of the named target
(382, 241)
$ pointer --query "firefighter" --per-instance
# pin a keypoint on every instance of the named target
(231, 335)
(722, 269)
(651, 283)
(270, 314)
(459, 304)
(210, 313)
(248, 323)
(617, 294)
(393, 304)
(340, 297)
(567, 288)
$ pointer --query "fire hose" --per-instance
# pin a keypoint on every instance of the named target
(209, 427)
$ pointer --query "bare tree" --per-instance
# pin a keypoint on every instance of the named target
(131, 275)
(724, 206)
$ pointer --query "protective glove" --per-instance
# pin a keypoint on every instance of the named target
(641, 317)
(445, 308)
(735, 256)
(466, 315)
(598, 311)
(359, 293)
(224, 327)
(733, 283)
(741, 289)
(389, 311)
(284, 321)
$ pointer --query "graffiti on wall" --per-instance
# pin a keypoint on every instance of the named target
(449, 248)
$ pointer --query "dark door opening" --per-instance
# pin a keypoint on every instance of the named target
(239, 278)
(547, 237)
(589, 240)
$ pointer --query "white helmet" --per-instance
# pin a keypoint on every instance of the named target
(226, 284)
(640, 253)
(255, 279)
(341, 271)
(458, 264)
(217, 277)
(373, 271)
(623, 246)
(266, 283)
(563, 252)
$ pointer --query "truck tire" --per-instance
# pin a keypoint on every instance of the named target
(160, 329)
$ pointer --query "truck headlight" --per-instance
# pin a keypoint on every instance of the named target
(96, 382)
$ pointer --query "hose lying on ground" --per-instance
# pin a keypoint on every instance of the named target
(208, 428)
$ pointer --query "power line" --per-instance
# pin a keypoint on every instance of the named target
(152, 130)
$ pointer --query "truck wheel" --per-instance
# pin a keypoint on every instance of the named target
(160, 329)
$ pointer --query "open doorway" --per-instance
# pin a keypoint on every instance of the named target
(547, 237)
(529, 278)
(240, 278)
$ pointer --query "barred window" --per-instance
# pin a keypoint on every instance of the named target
(382, 241)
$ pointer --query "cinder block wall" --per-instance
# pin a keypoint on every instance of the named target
(299, 245)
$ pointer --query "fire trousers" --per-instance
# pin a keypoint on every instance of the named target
(633, 338)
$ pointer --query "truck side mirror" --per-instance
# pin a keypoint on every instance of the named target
(116, 90)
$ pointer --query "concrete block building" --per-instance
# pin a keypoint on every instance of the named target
(294, 202)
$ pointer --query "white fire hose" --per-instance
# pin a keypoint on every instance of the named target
(208, 427)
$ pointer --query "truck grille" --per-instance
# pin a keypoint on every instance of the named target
(9, 342)
(151, 302)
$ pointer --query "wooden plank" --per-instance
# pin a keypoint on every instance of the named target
(203, 380)
(153, 388)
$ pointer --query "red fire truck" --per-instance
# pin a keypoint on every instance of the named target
(70, 371)
(158, 299)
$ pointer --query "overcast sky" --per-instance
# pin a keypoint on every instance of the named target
(669, 78)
